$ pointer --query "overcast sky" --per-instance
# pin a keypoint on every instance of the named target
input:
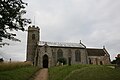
(95, 22)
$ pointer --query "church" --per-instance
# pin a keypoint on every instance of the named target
(46, 54)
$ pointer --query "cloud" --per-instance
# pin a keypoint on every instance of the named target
(16, 50)
(95, 22)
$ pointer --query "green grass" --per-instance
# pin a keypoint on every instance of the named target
(59, 73)
(13, 65)
(17, 71)
(84, 72)
(23, 73)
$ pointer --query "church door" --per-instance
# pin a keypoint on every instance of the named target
(45, 61)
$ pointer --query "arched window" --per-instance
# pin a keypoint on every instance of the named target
(90, 62)
(77, 56)
(33, 36)
(59, 53)
(69, 53)
(69, 57)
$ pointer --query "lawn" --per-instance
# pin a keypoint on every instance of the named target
(84, 72)
(16, 71)
(59, 73)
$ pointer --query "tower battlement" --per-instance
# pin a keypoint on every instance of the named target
(33, 27)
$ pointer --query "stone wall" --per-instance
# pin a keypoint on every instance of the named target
(32, 39)
(52, 55)
(99, 60)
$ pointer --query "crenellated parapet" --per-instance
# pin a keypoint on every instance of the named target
(33, 27)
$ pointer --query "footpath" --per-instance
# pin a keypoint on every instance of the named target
(42, 74)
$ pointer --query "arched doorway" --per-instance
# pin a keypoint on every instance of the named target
(45, 61)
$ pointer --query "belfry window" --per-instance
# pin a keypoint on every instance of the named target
(77, 56)
(59, 53)
(33, 36)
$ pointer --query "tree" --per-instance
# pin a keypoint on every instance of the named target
(1, 60)
(62, 60)
(117, 62)
(11, 12)
(113, 62)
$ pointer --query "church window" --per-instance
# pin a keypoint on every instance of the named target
(45, 48)
(90, 62)
(53, 54)
(101, 63)
(69, 53)
(69, 56)
(77, 56)
(59, 53)
(33, 36)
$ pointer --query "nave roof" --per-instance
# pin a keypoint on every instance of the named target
(61, 44)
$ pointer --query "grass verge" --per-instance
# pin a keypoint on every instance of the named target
(84, 72)
(16, 71)
(13, 65)
(23, 73)
(59, 73)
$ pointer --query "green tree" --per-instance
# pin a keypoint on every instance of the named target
(11, 18)
(113, 62)
(118, 61)
(62, 60)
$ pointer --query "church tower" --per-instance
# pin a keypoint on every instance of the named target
(32, 40)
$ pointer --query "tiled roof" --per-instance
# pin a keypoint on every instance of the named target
(61, 44)
(95, 52)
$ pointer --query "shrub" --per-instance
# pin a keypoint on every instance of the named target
(1, 60)
(62, 60)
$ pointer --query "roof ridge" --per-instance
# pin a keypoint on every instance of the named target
(59, 42)
(62, 44)
(95, 48)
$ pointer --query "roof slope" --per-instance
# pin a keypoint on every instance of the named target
(95, 52)
(61, 44)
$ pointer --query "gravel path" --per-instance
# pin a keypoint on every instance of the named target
(42, 74)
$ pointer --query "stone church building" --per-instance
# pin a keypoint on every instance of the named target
(46, 54)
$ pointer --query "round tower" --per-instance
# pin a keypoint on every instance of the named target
(32, 40)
